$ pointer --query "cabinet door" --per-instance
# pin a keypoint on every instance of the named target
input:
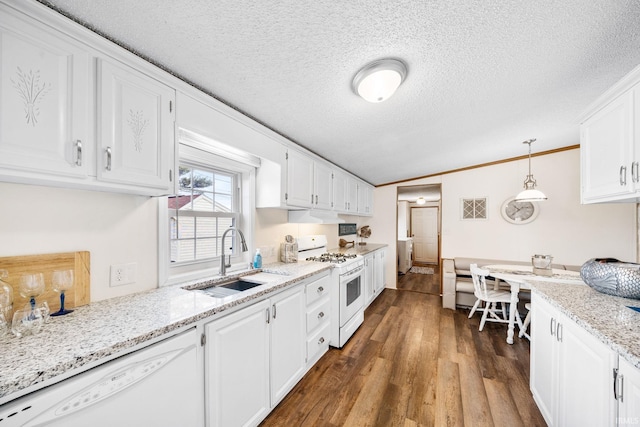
(365, 199)
(378, 265)
(340, 192)
(352, 195)
(544, 320)
(288, 341)
(135, 128)
(368, 279)
(299, 179)
(44, 100)
(606, 150)
(237, 367)
(629, 401)
(585, 378)
(323, 184)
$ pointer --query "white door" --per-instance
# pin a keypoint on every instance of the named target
(628, 393)
(136, 128)
(323, 186)
(237, 367)
(606, 150)
(44, 101)
(424, 230)
(299, 179)
(288, 341)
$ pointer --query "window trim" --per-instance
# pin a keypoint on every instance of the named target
(169, 274)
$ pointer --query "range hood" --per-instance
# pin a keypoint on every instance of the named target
(311, 216)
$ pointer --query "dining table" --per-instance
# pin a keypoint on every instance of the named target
(519, 277)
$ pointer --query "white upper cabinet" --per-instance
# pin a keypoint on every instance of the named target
(345, 193)
(55, 131)
(44, 102)
(299, 179)
(610, 144)
(309, 182)
(365, 199)
(135, 125)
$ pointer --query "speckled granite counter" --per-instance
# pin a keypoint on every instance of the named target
(105, 328)
(360, 249)
(605, 317)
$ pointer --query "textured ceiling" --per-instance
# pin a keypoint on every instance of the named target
(484, 75)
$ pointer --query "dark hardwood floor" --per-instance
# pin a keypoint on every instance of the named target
(426, 283)
(413, 363)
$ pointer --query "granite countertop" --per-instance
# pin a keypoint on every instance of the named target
(105, 328)
(360, 249)
(606, 317)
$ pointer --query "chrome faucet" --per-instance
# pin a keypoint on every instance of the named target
(243, 243)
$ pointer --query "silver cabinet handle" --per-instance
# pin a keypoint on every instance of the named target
(559, 332)
(108, 151)
(623, 175)
(634, 172)
(321, 340)
(552, 328)
(320, 290)
(268, 316)
(321, 315)
(312, 199)
(274, 311)
(78, 153)
(316, 199)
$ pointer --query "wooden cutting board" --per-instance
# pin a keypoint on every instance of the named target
(79, 262)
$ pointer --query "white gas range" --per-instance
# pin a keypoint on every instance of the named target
(347, 289)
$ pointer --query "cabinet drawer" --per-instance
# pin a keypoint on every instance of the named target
(317, 290)
(318, 343)
(318, 314)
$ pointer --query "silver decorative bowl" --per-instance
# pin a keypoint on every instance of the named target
(612, 277)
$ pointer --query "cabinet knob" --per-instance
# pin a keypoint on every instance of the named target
(321, 315)
(321, 340)
(320, 290)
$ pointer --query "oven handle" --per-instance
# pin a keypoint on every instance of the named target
(351, 273)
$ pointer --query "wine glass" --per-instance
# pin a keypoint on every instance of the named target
(62, 280)
(31, 285)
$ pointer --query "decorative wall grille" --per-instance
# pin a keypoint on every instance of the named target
(474, 208)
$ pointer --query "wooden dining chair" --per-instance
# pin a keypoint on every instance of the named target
(490, 297)
(525, 324)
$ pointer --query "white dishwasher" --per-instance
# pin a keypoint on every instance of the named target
(159, 385)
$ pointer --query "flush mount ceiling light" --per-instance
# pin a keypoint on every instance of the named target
(421, 201)
(530, 194)
(379, 80)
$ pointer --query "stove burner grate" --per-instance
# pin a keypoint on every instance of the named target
(334, 257)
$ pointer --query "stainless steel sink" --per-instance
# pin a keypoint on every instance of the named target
(233, 287)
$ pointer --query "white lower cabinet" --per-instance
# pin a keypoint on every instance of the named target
(368, 279)
(253, 357)
(318, 318)
(378, 271)
(571, 370)
(628, 393)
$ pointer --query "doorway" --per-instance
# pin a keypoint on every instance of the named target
(418, 227)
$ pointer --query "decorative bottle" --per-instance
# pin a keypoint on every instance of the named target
(257, 259)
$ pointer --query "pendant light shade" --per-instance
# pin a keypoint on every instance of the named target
(379, 80)
(421, 200)
(530, 194)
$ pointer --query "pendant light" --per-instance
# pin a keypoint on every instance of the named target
(421, 200)
(378, 81)
(530, 194)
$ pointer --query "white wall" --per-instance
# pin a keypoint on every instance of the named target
(115, 228)
(570, 232)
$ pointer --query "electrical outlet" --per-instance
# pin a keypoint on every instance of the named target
(123, 274)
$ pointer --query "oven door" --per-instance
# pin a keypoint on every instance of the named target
(351, 294)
